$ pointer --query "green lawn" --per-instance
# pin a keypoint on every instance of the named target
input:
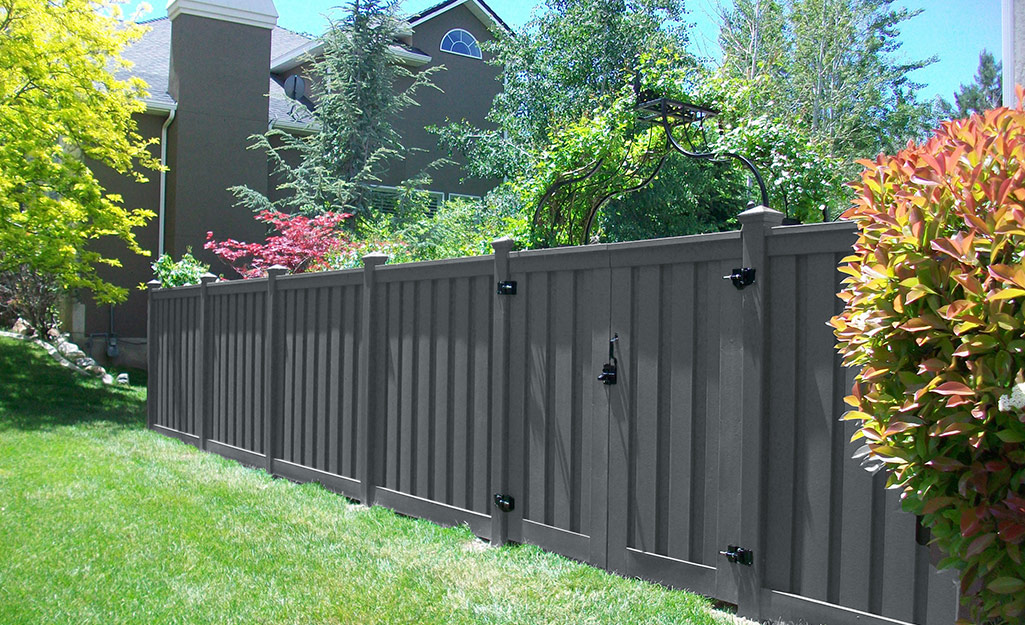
(103, 521)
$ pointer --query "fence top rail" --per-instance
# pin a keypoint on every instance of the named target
(317, 279)
(232, 287)
(686, 240)
(834, 236)
(446, 268)
(178, 292)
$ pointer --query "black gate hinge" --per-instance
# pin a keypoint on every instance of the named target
(505, 503)
(507, 287)
(739, 555)
(741, 277)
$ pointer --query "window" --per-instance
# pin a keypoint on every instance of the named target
(458, 41)
(386, 199)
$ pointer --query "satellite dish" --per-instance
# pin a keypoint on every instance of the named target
(295, 87)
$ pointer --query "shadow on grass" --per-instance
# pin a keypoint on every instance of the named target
(37, 393)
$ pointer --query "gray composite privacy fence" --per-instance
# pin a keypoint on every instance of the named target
(432, 388)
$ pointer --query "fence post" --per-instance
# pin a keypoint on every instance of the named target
(365, 412)
(500, 392)
(205, 355)
(152, 390)
(273, 353)
(755, 225)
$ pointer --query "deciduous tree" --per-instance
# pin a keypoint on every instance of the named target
(61, 105)
(830, 67)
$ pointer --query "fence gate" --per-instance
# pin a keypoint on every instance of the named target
(675, 409)
(637, 475)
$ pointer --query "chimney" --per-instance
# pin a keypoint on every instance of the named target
(219, 75)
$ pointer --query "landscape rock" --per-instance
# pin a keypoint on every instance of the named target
(85, 362)
(95, 370)
(23, 328)
(122, 378)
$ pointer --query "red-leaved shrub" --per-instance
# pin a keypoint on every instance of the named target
(935, 318)
(301, 245)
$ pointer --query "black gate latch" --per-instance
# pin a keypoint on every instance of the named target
(741, 277)
(608, 372)
(739, 555)
(507, 287)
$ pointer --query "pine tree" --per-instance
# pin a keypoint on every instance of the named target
(354, 85)
(985, 93)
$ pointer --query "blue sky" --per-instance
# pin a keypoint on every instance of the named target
(955, 31)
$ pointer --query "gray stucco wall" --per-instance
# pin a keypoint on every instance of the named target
(221, 92)
(467, 88)
(129, 317)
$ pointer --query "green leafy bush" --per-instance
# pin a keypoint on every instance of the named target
(935, 318)
(186, 271)
(413, 232)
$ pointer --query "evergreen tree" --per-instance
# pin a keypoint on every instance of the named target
(354, 86)
(985, 93)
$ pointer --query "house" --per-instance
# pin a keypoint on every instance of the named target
(215, 70)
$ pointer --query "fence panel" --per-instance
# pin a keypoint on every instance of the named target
(236, 369)
(179, 400)
(833, 533)
(558, 411)
(679, 354)
(397, 384)
(432, 430)
(320, 326)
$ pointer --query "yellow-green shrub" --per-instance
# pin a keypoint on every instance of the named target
(935, 318)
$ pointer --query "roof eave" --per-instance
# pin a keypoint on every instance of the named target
(479, 9)
(294, 58)
(159, 106)
(295, 127)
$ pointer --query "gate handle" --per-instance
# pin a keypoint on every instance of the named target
(608, 372)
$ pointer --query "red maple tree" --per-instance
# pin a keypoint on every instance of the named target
(300, 245)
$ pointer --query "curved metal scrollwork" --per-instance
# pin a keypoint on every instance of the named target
(665, 113)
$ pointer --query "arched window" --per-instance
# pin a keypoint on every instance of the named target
(458, 41)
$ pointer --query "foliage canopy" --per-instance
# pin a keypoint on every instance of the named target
(61, 107)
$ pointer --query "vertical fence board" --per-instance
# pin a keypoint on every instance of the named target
(323, 372)
(707, 540)
(537, 388)
(425, 415)
(899, 560)
(644, 378)
(562, 398)
(681, 411)
(481, 301)
(406, 432)
(815, 432)
(462, 390)
(441, 364)
(337, 383)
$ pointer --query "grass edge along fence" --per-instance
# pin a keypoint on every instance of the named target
(709, 456)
